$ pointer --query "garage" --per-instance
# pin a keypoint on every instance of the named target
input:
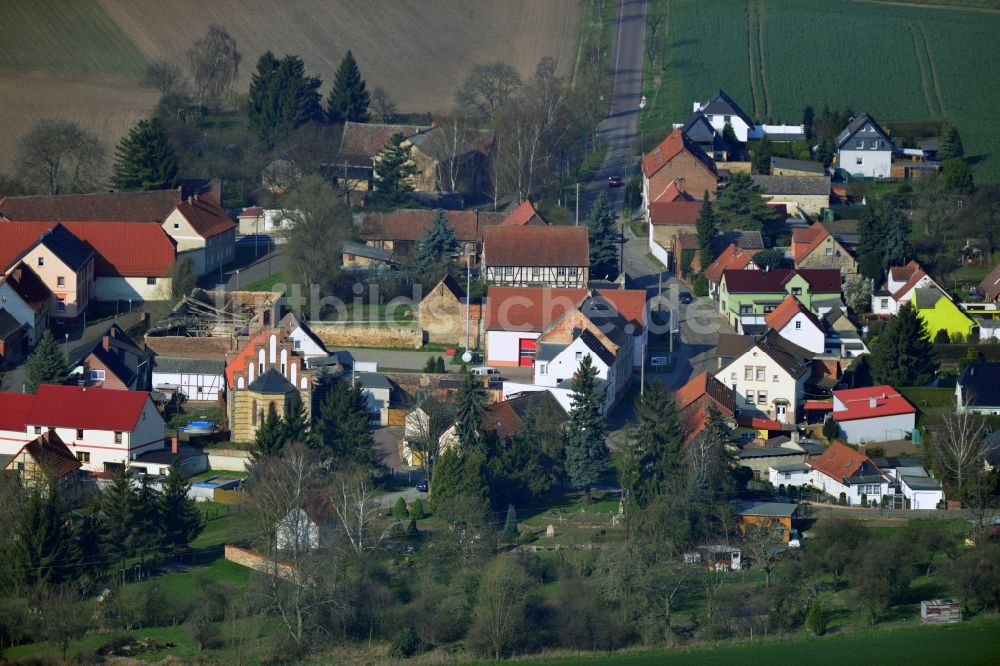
(526, 348)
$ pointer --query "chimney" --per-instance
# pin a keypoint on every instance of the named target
(190, 199)
(173, 444)
(106, 342)
(872, 402)
(863, 449)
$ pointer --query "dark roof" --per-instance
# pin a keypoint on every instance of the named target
(927, 297)
(700, 130)
(536, 246)
(770, 452)
(451, 284)
(271, 382)
(506, 418)
(921, 482)
(26, 284)
(603, 314)
(148, 206)
(122, 357)
(791, 467)
(52, 455)
(194, 366)
(548, 351)
(731, 345)
(8, 325)
(756, 282)
(721, 104)
(362, 250)
(856, 124)
(410, 224)
(769, 509)
(596, 346)
(797, 165)
(809, 185)
(793, 359)
(68, 248)
(822, 280)
(980, 383)
(368, 139)
(745, 240)
(373, 380)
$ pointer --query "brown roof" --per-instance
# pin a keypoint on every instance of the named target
(205, 215)
(536, 246)
(669, 148)
(991, 284)
(524, 215)
(182, 346)
(804, 241)
(756, 282)
(52, 455)
(673, 192)
(506, 417)
(691, 405)
(732, 258)
(26, 284)
(731, 345)
(778, 318)
(674, 212)
(368, 139)
(535, 308)
(150, 206)
(839, 461)
(410, 224)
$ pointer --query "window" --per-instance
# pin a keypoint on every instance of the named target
(796, 291)
(41, 261)
(571, 270)
(508, 270)
(750, 397)
(769, 309)
(732, 376)
(543, 368)
(761, 374)
(83, 456)
(746, 309)
(775, 380)
(579, 355)
(79, 434)
(536, 271)
(561, 271)
(61, 305)
(748, 373)
(727, 118)
(861, 144)
(60, 281)
(296, 344)
(118, 436)
(176, 225)
(829, 251)
(860, 160)
(199, 389)
(884, 303)
(761, 397)
(798, 325)
(151, 280)
(97, 375)
(38, 430)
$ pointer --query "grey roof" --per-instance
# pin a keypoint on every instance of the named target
(731, 345)
(699, 130)
(608, 320)
(122, 358)
(786, 136)
(921, 482)
(856, 124)
(597, 347)
(769, 452)
(271, 382)
(770, 509)
(721, 104)
(548, 351)
(793, 359)
(791, 467)
(68, 248)
(980, 383)
(812, 448)
(864, 478)
(808, 185)
(373, 380)
(778, 440)
(927, 297)
(189, 366)
(538, 400)
(8, 325)
(166, 456)
(5, 459)
(362, 250)
(798, 165)
(895, 462)
(746, 240)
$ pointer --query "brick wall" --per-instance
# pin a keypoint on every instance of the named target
(258, 561)
(338, 335)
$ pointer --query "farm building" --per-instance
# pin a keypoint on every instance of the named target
(195, 379)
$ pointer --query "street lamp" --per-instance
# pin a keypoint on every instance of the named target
(467, 355)
(237, 279)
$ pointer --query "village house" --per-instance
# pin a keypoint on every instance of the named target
(536, 256)
(515, 318)
(784, 166)
(873, 414)
(678, 161)
(190, 378)
(842, 337)
(26, 299)
(103, 428)
(358, 256)
(360, 144)
(900, 285)
(778, 517)
(803, 196)
(668, 220)
(204, 233)
(990, 286)
(721, 110)
(745, 297)
(697, 397)
(452, 159)
(865, 149)
(112, 361)
(43, 462)
(398, 231)
(938, 312)
(816, 247)
(760, 459)
(732, 258)
(840, 472)
(795, 323)
(304, 341)
(977, 389)
(698, 130)
(769, 379)
(445, 316)
(13, 340)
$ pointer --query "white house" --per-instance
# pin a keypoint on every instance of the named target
(769, 379)
(27, 299)
(306, 528)
(195, 379)
(874, 414)
(795, 323)
(104, 428)
(203, 231)
(790, 474)
(304, 341)
(900, 285)
(865, 149)
(556, 364)
(378, 390)
(922, 491)
(840, 470)
(721, 110)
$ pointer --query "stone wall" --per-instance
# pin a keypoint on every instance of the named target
(258, 561)
(233, 460)
(347, 335)
(443, 320)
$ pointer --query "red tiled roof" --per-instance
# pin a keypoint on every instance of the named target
(523, 215)
(758, 423)
(674, 212)
(778, 318)
(148, 206)
(839, 461)
(732, 258)
(410, 224)
(13, 410)
(253, 211)
(756, 282)
(123, 249)
(916, 274)
(692, 407)
(238, 362)
(673, 192)
(26, 284)
(668, 149)
(86, 408)
(368, 139)
(52, 455)
(205, 215)
(902, 273)
(536, 246)
(818, 405)
(859, 403)
(535, 308)
(804, 241)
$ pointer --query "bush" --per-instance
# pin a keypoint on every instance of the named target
(700, 286)
(405, 644)
(399, 509)
(843, 498)
(941, 337)
(439, 365)
(202, 630)
(816, 618)
(417, 509)
(411, 529)
(831, 429)
(431, 366)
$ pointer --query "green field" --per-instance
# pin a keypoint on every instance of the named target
(69, 37)
(975, 642)
(898, 63)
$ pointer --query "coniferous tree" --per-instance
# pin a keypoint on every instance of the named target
(341, 427)
(181, 522)
(116, 507)
(957, 176)
(296, 421)
(145, 160)
(146, 534)
(870, 262)
(459, 473)
(587, 454)
(435, 250)
(470, 403)
(740, 205)
(657, 443)
(41, 552)
(707, 227)
(270, 436)
(349, 98)
(281, 97)
(903, 354)
(896, 249)
(510, 522)
(603, 238)
(393, 171)
(46, 365)
(950, 145)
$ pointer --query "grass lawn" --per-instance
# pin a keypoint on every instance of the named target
(234, 528)
(970, 273)
(974, 642)
(265, 283)
(929, 402)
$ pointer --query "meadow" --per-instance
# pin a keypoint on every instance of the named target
(899, 63)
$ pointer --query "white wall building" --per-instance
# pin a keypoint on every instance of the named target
(874, 414)
(195, 379)
(865, 149)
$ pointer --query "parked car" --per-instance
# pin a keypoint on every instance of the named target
(422, 485)
(614, 181)
(686, 298)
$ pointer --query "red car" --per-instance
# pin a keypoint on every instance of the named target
(614, 181)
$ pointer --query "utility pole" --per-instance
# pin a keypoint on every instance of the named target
(577, 204)
(468, 299)
(642, 371)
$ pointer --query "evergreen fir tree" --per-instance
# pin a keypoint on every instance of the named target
(870, 261)
(707, 227)
(439, 365)
(435, 250)
(957, 176)
(587, 454)
(603, 238)
(46, 365)
(825, 151)
(393, 172)
(470, 404)
(349, 98)
(296, 420)
(510, 522)
(447, 477)
(740, 205)
(281, 97)
(341, 427)
(417, 510)
(896, 249)
(809, 122)
(116, 507)
(658, 444)
(399, 509)
(270, 436)
(146, 535)
(181, 519)
(40, 552)
(903, 354)
(950, 144)
(145, 160)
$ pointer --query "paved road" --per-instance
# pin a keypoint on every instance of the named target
(267, 264)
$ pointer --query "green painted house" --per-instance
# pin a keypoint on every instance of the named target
(745, 297)
(937, 311)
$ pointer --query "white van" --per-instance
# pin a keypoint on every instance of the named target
(487, 371)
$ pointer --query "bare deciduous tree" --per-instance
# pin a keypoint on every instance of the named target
(487, 89)
(500, 606)
(315, 225)
(654, 22)
(358, 513)
(450, 145)
(759, 542)
(424, 430)
(522, 129)
(60, 157)
(215, 65)
(960, 445)
(164, 76)
(383, 106)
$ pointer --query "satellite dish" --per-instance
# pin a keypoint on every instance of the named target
(467, 356)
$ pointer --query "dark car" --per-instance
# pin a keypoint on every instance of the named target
(422, 485)
(686, 299)
(614, 181)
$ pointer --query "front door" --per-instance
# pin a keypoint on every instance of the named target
(780, 409)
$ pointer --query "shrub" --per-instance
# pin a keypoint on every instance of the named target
(700, 286)
(203, 631)
(816, 618)
(941, 337)
(430, 366)
(411, 528)
(843, 498)
(831, 429)
(405, 644)
(417, 509)
(439, 365)
(399, 509)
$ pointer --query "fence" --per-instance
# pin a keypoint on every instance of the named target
(219, 512)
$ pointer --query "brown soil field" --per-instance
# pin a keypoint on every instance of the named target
(417, 50)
